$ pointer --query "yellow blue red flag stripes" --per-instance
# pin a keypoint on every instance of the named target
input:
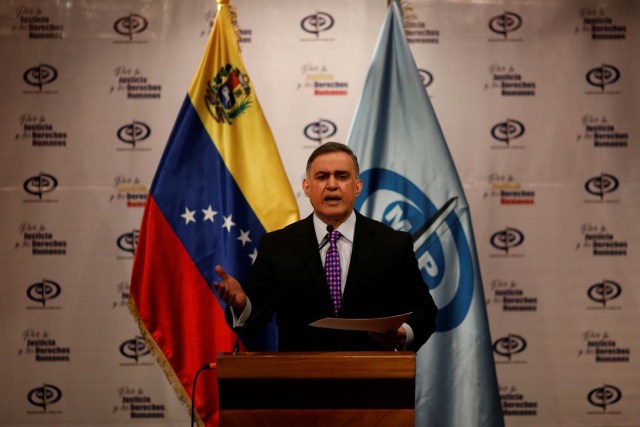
(219, 186)
(410, 183)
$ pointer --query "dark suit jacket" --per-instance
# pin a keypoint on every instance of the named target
(383, 280)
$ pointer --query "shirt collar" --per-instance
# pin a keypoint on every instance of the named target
(347, 229)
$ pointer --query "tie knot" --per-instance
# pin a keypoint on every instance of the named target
(333, 236)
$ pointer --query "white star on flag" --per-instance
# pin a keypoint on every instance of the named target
(188, 216)
(244, 237)
(209, 213)
(228, 223)
(253, 255)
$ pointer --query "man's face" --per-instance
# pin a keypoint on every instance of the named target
(332, 187)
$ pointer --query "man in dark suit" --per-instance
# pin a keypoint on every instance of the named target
(376, 270)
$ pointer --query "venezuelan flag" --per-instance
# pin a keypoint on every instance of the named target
(219, 186)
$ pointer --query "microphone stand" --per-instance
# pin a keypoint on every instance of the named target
(193, 389)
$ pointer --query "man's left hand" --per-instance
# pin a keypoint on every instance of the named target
(392, 340)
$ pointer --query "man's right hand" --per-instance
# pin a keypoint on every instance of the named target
(229, 289)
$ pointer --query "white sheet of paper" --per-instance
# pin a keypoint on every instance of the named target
(375, 324)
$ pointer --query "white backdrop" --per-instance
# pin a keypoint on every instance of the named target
(538, 100)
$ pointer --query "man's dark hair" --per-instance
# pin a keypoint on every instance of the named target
(333, 147)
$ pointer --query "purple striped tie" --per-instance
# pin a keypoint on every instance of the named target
(332, 270)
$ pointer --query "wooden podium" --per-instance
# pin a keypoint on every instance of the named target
(317, 389)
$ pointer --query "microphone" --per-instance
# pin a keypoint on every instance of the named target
(274, 296)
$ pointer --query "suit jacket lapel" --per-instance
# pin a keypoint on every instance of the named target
(310, 262)
(360, 254)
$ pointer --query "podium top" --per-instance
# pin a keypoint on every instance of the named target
(301, 365)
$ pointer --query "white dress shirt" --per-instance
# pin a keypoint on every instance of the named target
(344, 244)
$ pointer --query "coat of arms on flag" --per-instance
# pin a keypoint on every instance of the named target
(227, 94)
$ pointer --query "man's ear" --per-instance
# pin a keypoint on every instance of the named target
(305, 186)
(358, 187)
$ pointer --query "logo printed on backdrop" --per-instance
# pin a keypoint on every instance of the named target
(128, 243)
(509, 346)
(133, 133)
(426, 77)
(130, 26)
(416, 31)
(43, 397)
(603, 397)
(601, 241)
(40, 133)
(40, 76)
(596, 22)
(40, 185)
(507, 132)
(122, 299)
(39, 240)
(600, 186)
(509, 191)
(602, 77)
(129, 189)
(603, 293)
(510, 297)
(602, 132)
(245, 36)
(505, 240)
(407, 208)
(603, 348)
(504, 25)
(37, 24)
(509, 82)
(42, 293)
(515, 404)
(228, 94)
(320, 131)
(321, 82)
(134, 349)
(317, 24)
(43, 347)
(135, 84)
(136, 404)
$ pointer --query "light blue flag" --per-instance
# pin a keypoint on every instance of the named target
(410, 183)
